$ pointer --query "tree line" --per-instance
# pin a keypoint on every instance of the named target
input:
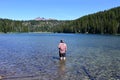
(7, 25)
(103, 22)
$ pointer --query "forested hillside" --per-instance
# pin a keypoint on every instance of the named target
(104, 22)
(7, 25)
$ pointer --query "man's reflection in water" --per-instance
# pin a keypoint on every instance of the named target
(61, 69)
(62, 65)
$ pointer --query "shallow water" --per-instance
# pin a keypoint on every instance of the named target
(34, 56)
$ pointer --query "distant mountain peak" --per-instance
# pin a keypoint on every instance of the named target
(43, 19)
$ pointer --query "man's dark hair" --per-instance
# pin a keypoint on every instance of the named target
(61, 41)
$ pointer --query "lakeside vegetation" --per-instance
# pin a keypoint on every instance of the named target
(103, 22)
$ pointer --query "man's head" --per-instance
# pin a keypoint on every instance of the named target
(61, 41)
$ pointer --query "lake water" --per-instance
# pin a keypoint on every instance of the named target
(34, 56)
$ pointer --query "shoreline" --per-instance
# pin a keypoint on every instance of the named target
(53, 32)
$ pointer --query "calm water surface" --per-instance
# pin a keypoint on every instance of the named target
(34, 56)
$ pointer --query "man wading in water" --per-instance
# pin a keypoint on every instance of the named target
(62, 50)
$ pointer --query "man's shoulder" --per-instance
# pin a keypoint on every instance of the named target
(65, 44)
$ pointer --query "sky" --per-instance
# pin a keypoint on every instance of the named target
(55, 9)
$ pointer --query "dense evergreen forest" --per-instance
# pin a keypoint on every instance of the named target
(7, 25)
(103, 22)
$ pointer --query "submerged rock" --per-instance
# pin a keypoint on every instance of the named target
(1, 77)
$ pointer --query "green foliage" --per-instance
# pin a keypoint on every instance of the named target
(104, 22)
(7, 25)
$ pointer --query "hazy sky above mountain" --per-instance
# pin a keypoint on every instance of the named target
(56, 9)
